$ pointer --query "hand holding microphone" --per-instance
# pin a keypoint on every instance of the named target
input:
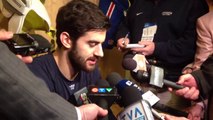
(154, 75)
(101, 94)
(189, 92)
(131, 99)
(116, 80)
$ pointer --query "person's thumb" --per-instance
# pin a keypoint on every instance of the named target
(102, 112)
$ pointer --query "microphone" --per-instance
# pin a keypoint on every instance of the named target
(132, 64)
(128, 98)
(103, 95)
(135, 62)
(101, 86)
(135, 107)
(100, 101)
(81, 97)
(129, 54)
(154, 75)
(157, 78)
(116, 80)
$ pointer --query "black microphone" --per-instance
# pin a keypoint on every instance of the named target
(135, 107)
(129, 54)
(116, 80)
(154, 75)
(102, 102)
(127, 96)
(129, 64)
(103, 95)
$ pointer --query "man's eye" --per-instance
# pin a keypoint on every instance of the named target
(92, 44)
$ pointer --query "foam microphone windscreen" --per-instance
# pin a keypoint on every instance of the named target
(113, 78)
(128, 55)
(130, 95)
(129, 64)
(102, 83)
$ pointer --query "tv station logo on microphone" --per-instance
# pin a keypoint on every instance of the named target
(109, 93)
(101, 90)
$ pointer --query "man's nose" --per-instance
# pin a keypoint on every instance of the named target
(99, 51)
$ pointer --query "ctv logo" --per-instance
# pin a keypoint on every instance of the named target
(101, 90)
(132, 114)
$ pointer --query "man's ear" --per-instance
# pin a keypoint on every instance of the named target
(65, 40)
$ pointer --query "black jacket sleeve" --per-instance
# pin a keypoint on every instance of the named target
(204, 77)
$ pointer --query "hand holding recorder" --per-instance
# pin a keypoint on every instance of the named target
(28, 44)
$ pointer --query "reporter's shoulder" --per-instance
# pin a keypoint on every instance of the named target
(41, 61)
(42, 57)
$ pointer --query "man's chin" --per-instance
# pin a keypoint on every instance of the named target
(89, 69)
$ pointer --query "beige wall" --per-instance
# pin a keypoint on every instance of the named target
(52, 7)
(210, 2)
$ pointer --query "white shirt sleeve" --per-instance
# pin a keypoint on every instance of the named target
(78, 113)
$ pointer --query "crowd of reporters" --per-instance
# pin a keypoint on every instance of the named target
(21, 89)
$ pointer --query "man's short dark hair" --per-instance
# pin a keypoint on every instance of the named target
(78, 17)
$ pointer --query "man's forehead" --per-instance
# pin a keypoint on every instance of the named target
(94, 36)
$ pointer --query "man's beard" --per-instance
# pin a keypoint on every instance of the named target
(78, 62)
